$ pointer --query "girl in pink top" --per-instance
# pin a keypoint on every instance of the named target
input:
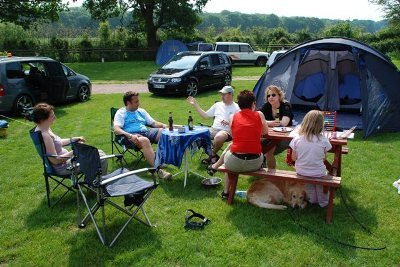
(309, 152)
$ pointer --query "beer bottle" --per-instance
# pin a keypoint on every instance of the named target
(170, 122)
(190, 121)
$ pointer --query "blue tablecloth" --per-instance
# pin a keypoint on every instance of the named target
(172, 145)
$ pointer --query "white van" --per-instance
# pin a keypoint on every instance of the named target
(242, 53)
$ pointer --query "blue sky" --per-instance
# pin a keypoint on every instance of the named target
(333, 9)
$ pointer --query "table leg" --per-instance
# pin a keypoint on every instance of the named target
(186, 167)
(329, 209)
(232, 179)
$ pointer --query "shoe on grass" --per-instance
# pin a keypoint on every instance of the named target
(224, 195)
(164, 174)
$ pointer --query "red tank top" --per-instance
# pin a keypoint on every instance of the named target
(246, 132)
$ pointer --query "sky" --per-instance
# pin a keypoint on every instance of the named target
(332, 9)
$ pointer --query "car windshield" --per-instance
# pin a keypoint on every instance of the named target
(182, 62)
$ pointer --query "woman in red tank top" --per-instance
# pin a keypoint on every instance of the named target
(244, 153)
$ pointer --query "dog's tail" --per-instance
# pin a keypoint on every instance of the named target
(266, 205)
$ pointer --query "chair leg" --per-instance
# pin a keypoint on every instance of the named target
(46, 179)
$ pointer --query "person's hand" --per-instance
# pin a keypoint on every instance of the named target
(191, 100)
(224, 123)
(79, 139)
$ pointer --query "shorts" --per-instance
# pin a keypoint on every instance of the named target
(214, 131)
(236, 164)
(151, 134)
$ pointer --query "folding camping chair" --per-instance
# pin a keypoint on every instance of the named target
(120, 182)
(121, 144)
(50, 176)
(329, 120)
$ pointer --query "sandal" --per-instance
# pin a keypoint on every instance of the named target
(211, 170)
(210, 160)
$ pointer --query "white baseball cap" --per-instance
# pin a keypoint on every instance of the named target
(226, 89)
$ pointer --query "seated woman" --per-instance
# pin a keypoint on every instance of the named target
(244, 153)
(277, 112)
(44, 117)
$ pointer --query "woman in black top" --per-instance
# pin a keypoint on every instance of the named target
(277, 112)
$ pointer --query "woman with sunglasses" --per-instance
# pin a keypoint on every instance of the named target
(277, 112)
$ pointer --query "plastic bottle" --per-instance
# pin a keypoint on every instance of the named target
(190, 121)
(241, 194)
(170, 122)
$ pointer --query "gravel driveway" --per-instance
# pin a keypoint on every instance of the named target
(137, 87)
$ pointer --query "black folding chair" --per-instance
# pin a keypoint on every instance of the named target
(50, 176)
(121, 144)
(120, 182)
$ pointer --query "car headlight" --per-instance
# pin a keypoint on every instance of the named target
(176, 80)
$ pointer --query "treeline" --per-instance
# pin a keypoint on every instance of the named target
(77, 37)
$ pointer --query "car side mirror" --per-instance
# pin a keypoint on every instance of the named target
(202, 67)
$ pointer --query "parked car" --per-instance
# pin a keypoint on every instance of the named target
(274, 56)
(189, 72)
(242, 53)
(25, 81)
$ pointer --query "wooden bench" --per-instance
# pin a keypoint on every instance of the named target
(329, 182)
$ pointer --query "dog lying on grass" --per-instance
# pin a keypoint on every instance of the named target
(271, 194)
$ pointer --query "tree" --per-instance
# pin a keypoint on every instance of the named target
(151, 15)
(25, 12)
(391, 9)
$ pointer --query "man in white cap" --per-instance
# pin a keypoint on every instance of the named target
(221, 112)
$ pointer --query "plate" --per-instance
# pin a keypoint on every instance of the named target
(282, 129)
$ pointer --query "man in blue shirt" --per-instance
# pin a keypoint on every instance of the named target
(132, 121)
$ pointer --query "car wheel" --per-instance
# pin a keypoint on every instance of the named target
(83, 93)
(192, 88)
(21, 103)
(227, 79)
(261, 61)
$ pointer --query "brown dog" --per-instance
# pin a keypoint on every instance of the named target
(270, 194)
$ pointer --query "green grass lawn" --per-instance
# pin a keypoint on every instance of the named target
(138, 71)
(239, 235)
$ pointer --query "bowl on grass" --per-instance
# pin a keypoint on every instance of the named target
(211, 182)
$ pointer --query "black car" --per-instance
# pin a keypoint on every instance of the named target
(188, 72)
(25, 81)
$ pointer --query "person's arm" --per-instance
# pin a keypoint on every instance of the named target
(294, 155)
(50, 149)
(287, 114)
(68, 141)
(264, 129)
(191, 100)
(157, 124)
(131, 137)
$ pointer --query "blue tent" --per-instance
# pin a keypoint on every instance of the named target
(168, 49)
(339, 74)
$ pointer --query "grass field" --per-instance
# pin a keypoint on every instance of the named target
(138, 71)
(239, 235)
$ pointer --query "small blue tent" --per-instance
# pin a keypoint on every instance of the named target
(339, 74)
(168, 49)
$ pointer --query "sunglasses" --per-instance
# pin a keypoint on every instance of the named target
(273, 95)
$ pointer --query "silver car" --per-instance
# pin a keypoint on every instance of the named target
(25, 81)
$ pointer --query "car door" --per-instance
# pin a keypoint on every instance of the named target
(56, 81)
(203, 71)
(218, 70)
(246, 54)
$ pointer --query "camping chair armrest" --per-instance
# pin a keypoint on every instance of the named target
(111, 156)
(122, 175)
(56, 156)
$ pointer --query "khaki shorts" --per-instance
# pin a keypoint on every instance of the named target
(213, 133)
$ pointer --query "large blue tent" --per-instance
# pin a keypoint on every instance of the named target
(168, 49)
(339, 74)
